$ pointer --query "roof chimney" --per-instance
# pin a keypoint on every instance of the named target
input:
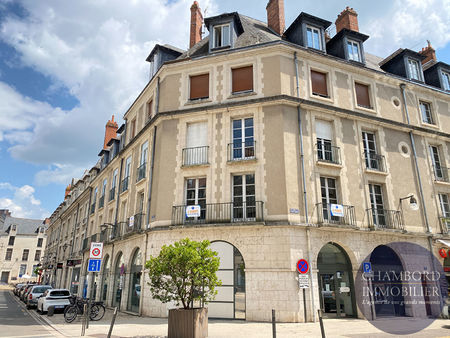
(347, 19)
(196, 24)
(110, 131)
(68, 188)
(275, 16)
(429, 52)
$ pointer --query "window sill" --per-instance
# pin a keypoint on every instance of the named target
(321, 97)
(328, 164)
(196, 165)
(376, 172)
(140, 181)
(430, 125)
(242, 160)
(198, 101)
(123, 192)
(366, 109)
(444, 183)
(242, 94)
(109, 202)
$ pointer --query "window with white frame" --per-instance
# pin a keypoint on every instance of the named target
(354, 52)
(112, 192)
(329, 196)
(377, 204)
(440, 172)
(222, 35)
(445, 213)
(324, 136)
(313, 37)
(196, 151)
(142, 161)
(244, 203)
(425, 110)
(446, 80)
(373, 160)
(414, 69)
(243, 146)
(196, 195)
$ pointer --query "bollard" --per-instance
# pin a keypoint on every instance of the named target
(83, 320)
(51, 311)
(274, 328)
(113, 320)
(322, 329)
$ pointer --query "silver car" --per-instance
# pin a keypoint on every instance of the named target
(34, 293)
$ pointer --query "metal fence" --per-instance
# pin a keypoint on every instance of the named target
(242, 150)
(328, 153)
(385, 219)
(325, 215)
(195, 156)
(375, 162)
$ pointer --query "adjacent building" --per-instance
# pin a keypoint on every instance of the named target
(22, 245)
(274, 144)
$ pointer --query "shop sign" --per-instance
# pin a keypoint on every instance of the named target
(69, 262)
(337, 210)
(50, 266)
(344, 289)
(193, 211)
(443, 253)
(59, 265)
(77, 262)
(131, 222)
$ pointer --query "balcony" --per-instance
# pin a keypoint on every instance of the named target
(101, 202)
(195, 156)
(241, 151)
(328, 153)
(221, 213)
(375, 162)
(141, 172)
(112, 193)
(385, 219)
(445, 225)
(124, 184)
(326, 216)
(88, 240)
(440, 173)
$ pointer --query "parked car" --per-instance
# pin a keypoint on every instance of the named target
(59, 298)
(35, 292)
(20, 289)
(17, 288)
(24, 292)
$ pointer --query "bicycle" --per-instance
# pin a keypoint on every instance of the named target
(77, 307)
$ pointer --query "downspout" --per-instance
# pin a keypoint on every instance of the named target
(302, 160)
(150, 179)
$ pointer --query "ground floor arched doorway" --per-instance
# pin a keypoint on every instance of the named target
(105, 278)
(134, 289)
(230, 300)
(336, 287)
(118, 280)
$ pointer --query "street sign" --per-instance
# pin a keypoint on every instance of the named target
(94, 265)
(303, 281)
(193, 211)
(302, 266)
(96, 251)
(337, 210)
(367, 267)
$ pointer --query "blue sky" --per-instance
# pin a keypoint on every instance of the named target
(66, 67)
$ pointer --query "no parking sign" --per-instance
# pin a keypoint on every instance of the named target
(302, 266)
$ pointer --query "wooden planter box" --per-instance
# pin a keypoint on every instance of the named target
(191, 323)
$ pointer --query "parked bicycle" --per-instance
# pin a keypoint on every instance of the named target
(77, 308)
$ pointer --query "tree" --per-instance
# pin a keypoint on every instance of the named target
(184, 272)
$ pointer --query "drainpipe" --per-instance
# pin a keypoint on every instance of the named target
(308, 235)
(150, 179)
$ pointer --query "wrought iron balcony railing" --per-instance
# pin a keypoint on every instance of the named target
(375, 162)
(440, 173)
(327, 215)
(238, 151)
(124, 184)
(328, 153)
(385, 219)
(112, 193)
(445, 225)
(195, 156)
(232, 212)
(141, 172)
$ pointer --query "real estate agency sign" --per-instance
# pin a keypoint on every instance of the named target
(96, 251)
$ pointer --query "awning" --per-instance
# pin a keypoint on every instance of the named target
(446, 243)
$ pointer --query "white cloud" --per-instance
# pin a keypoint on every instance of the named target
(58, 173)
(21, 201)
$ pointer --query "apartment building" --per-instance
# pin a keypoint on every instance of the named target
(274, 144)
(22, 245)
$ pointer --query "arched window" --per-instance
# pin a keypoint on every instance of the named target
(134, 291)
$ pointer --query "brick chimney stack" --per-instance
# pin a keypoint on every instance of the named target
(429, 52)
(68, 188)
(275, 16)
(196, 24)
(110, 131)
(347, 19)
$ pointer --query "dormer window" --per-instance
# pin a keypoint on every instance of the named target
(446, 80)
(414, 69)
(222, 36)
(354, 52)
(313, 36)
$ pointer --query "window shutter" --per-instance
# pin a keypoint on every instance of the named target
(362, 95)
(323, 130)
(242, 79)
(199, 87)
(319, 83)
(197, 135)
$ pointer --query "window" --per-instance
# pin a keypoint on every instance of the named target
(101, 201)
(319, 83)
(425, 109)
(140, 203)
(377, 205)
(9, 253)
(149, 109)
(13, 227)
(39, 243)
(445, 206)
(41, 230)
(112, 192)
(142, 161)
(94, 199)
(11, 240)
(196, 151)
(37, 255)
(25, 254)
(199, 87)
(242, 79)
(222, 36)
(414, 70)
(244, 204)
(446, 80)
(373, 160)
(325, 151)
(440, 172)
(133, 129)
(362, 95)
(353, 50)
(313, 37)
(243, 146)
(127, 174)
(22, 269)
(329, 196)
(196, 195)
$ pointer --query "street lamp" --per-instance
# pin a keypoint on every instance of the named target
(412, 202)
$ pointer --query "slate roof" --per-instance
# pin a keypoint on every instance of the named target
(25, 226)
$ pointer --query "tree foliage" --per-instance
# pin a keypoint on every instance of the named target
(184, 272)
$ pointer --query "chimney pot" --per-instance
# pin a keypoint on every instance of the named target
(275, 16)
(348, 18)
(429, 52)
(110, 131)
(196, 24)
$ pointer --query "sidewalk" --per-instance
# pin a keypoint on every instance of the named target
(132, 326)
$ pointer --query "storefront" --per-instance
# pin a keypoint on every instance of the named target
(134, 289)
(119, 270)
(75, 282)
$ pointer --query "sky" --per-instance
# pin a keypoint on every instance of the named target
(67, 66)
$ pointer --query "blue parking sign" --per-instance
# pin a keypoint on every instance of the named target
(94, 265)
(367, 266)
